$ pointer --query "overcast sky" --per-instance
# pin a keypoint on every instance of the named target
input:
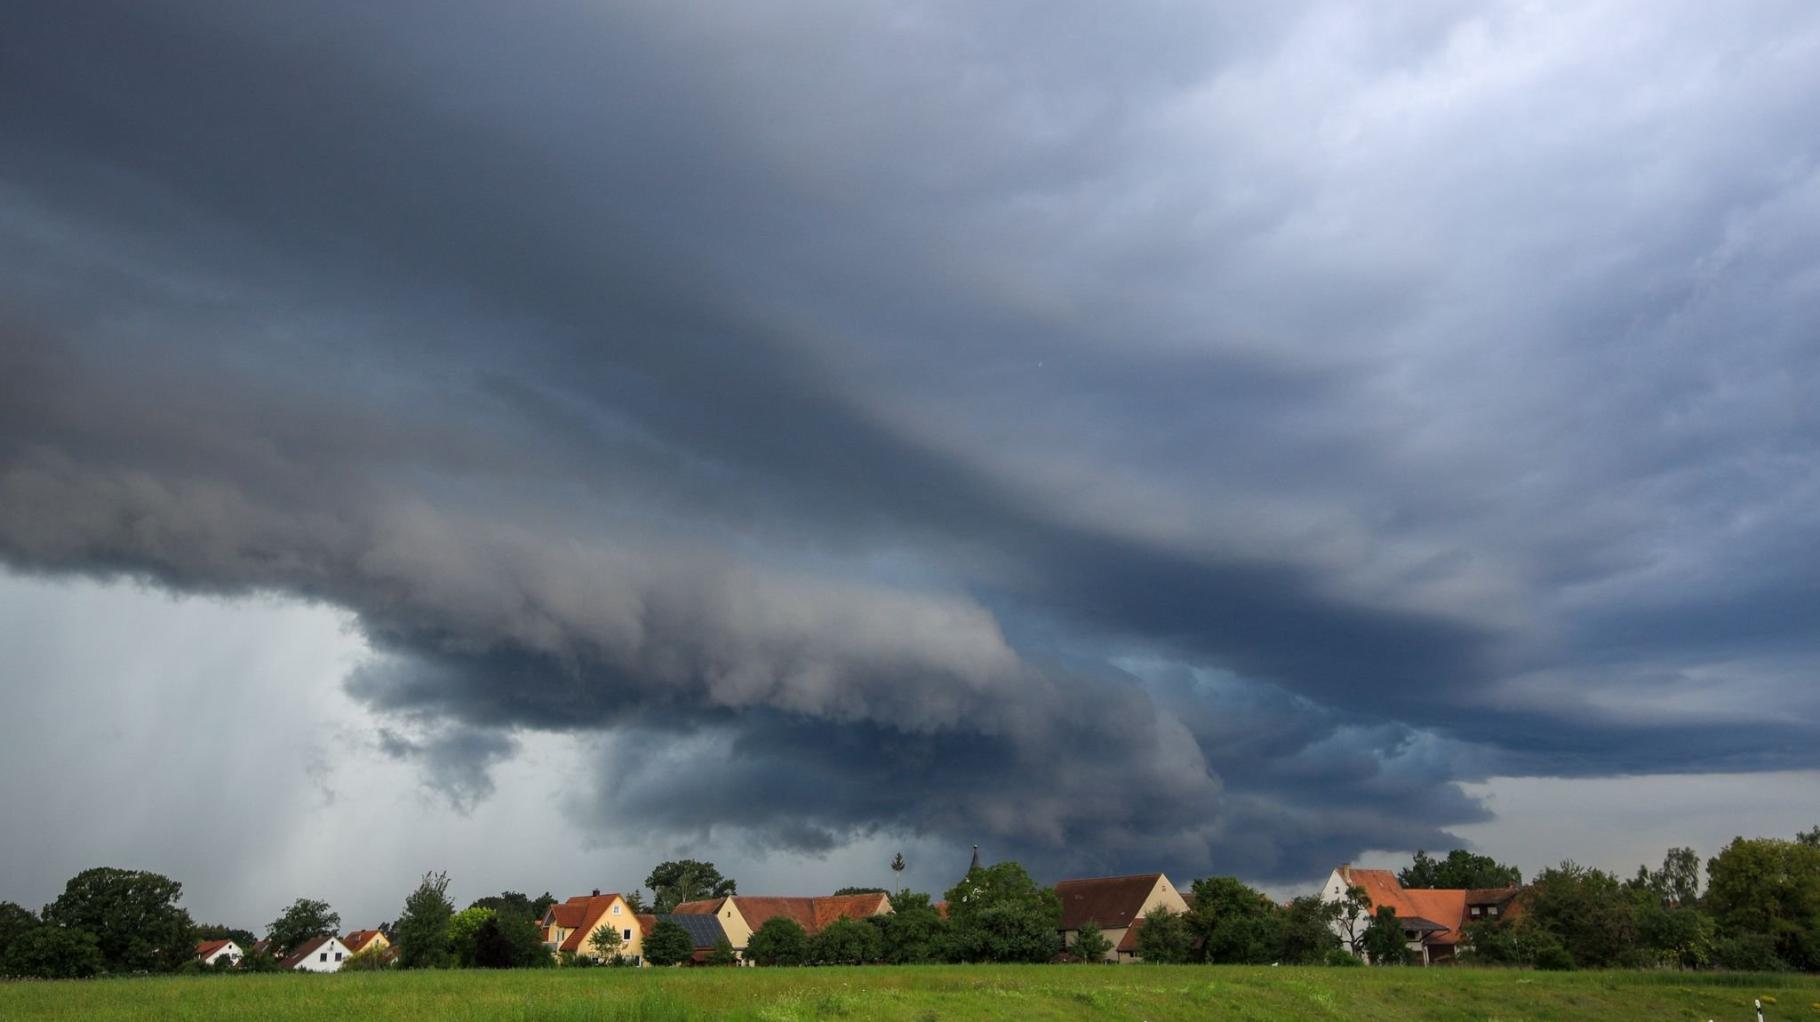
(1235, 439)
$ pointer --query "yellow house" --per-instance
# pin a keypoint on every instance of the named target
(364, 940)
(1118, 906)
(571, 925)
(739, 915)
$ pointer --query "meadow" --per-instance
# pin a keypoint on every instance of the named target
(928, 994)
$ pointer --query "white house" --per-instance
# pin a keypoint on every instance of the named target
(318, 954)
(211, 951)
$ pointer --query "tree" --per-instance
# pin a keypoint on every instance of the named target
(1461, 869)
(15, 922)
(898, 866)
(464, 926)
(1810, 838)
(635, 902)
(509, 903)
(1384, 942)
(1354, 918)
(668, 943)
(491, 949)
(1165, 938)
(305, 918)
(605, 943)
(1306, 934)
(998, 914)
(1772, 888)
(132, 914)
(780, 941)
(1586, 910)
(53, 952)
(525, 939)
(846, 942)
(1234, 923)
(673, 883)
(913, 932)
(422, 930)
(1090, 945)
(859, 890)
(371, 959)
(722, 953)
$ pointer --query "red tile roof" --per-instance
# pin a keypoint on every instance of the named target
(1128, 944)
(209, 947)
(1111, 902)
(586, 911)
(1446, 907)
(809, 913)
(359, 939)
(698, 908)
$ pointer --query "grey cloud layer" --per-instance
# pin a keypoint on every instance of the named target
(853, 400)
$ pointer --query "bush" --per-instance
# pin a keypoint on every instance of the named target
(1341, 958)
(845, 942)
(779, 941)
(54, 952)
(668, 944)
(1749, 952)
(1552, 956)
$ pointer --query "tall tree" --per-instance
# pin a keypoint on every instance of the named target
(1235, 924)
(1353, 918)
(998, 914)
(1306, 935)
(1770, 888)
(422, 930)
(132, 914)
(1586, 910)
(15, 922)
(898, 866)
(306, 918)
(675, 882)
(1384, 941)
(492, 950)
(464, 927)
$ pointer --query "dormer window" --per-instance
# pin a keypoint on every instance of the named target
(1492, 910)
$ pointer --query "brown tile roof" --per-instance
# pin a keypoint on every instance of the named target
(1128, 944)
(1446, 908)
(646, 923)
(209, 947)
(698, 908)
(809, 913)
(305, 950)
(359, 939)
(1111, 902)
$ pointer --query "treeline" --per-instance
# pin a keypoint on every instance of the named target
(1758, 909)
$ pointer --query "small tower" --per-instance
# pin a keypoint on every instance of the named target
(976, 859)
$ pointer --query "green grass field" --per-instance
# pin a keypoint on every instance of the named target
(924, 994)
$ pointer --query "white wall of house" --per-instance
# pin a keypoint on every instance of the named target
(325, 958)
(229, 952)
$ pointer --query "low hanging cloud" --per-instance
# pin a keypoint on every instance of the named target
(1131, 439)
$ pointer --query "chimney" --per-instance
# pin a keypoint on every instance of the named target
(597, 892)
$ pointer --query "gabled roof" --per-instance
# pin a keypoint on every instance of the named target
(1128, 944)
(1110, 902)
(705, 930)
(586, 910)
(706, 907)
(209, 947)
(1439, 913)
(359, 939)
(305, 950)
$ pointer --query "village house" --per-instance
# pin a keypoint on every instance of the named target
(318, 954)
(739, 915)
(571, 925)
(1118, 906)
(367, 940)
(209, 952)
(1434, 920)
(704, 932)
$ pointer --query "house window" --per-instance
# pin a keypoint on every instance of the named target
(338, 956)
(628, 935)
(615, 909)
(1475, 911)
(323, 957)
(1493, 910)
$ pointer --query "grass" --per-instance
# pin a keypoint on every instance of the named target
(930, 994)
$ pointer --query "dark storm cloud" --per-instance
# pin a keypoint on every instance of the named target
(833, 407)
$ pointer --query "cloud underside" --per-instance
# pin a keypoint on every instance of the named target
(1125, 449)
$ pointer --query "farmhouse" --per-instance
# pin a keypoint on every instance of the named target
(739, 916)
(1118, 906)
(318, 954)
(1434, 920)
(209, 952)
(571, 925)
